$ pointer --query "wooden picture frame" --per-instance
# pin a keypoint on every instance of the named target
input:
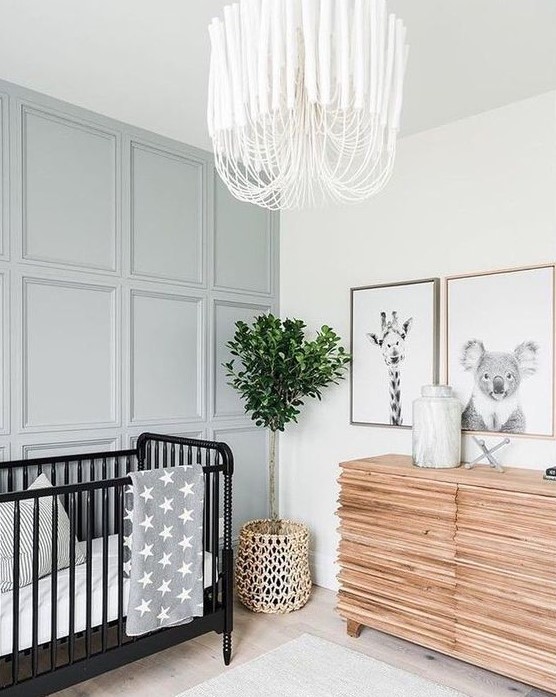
(500, 354)
(385, 378)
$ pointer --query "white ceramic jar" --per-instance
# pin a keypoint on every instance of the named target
(437, 428)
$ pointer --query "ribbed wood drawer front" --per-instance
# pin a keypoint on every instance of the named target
(398, 554)
(385, 495)
(418, 625)
(510, 532)
(409, 595)
(511, 658)
(506, 582)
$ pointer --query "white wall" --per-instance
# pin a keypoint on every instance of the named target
(476, 194)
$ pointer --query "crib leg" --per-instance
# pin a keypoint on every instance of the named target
(227, 647)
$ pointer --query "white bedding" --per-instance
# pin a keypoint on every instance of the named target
(26, 596)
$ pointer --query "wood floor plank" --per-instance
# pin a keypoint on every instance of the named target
(170, 672)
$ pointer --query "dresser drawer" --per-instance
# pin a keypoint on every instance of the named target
(416, 624)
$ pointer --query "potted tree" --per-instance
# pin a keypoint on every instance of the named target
(277, 369)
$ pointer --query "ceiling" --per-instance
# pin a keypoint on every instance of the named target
(146, 62)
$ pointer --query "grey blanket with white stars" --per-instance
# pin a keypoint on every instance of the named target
(163, 548)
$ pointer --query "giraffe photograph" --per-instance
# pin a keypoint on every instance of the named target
(394, 346)
(500, 353)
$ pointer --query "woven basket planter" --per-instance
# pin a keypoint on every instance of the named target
(272, 570)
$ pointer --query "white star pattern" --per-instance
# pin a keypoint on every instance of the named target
(184, 595)
(144, 607)
(147, 493)
(146, 551)
(185, 543)
(186, 489)
(164, 588)
(167, 532)
(167, 541)
(186, 516)
(165, 560)
(167, 478)
(185, 569)
(147, 522)
(146, 580)
(163, 614)
(167, 505)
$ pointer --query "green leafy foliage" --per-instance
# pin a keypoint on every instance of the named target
(277, 367)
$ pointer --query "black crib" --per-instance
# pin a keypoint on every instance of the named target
(91, 489)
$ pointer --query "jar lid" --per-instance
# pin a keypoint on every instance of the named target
(437, 391)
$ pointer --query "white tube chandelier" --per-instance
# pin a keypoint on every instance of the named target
(305, 98)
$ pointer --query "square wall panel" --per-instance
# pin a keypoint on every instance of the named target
(243, 244)
(227, 402)
(74, 447)
(70, 374)
(3, 171)
(168, 215)
(167, 340)
(70, 192)
(250, 450)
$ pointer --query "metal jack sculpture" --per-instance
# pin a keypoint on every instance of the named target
(488, 453)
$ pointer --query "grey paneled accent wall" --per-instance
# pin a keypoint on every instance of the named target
(124, 264)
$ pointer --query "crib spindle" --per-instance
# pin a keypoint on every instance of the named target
(54, 586)
(88, 571)
(104, 631)
(71, 640)
(35, 581)
(15, 594)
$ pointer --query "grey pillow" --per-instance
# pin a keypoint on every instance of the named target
(26, 539)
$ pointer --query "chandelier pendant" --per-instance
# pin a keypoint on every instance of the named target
(305, 98)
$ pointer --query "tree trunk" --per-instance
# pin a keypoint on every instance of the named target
(272, 476)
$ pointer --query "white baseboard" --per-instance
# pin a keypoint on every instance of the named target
(324, 569)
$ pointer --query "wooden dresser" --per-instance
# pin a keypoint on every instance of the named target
(462, 561)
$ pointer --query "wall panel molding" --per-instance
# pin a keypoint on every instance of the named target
(67, 447)
(171, 191)
(244, 254)
(4, 176)
(225, 402)
(69, 181)
(5, 390)
(109, 350)
(146, 353)
(76, 371)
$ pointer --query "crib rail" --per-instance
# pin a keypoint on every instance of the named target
(87, 501)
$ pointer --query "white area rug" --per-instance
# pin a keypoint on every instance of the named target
(312, 667)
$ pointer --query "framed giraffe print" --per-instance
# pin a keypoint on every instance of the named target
(395, 349)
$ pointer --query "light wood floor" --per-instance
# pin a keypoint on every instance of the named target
(170, 672)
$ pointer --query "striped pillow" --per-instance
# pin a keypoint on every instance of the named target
(26, 539)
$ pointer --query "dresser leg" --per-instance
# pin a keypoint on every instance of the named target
(354, 628)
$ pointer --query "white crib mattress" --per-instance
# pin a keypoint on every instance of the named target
(45, 597)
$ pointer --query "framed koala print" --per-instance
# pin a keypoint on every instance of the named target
(394, 347)
(500, 349)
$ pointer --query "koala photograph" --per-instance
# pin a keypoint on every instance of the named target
(500, 337)
(494, 404)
